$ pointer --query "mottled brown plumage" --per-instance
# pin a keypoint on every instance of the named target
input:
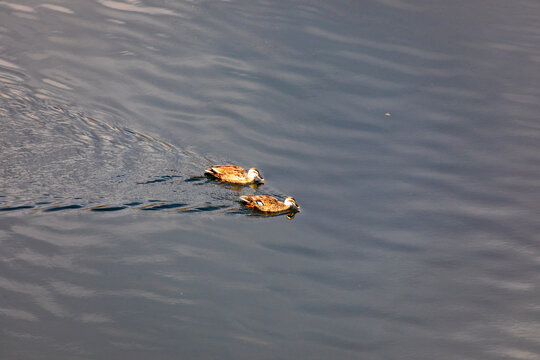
(267, 203)
(235, 174)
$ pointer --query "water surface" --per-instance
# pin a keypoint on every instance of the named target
(407, 130)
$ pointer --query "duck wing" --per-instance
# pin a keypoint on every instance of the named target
(262, 202)
(266, 200)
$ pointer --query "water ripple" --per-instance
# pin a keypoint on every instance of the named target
(130, 7)
(42, 164)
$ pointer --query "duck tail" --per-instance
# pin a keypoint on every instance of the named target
(246, 200)
(210, 171)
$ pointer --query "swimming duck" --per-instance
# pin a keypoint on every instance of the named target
(267, 203)
(235, 174)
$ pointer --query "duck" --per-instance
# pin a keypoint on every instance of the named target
(270, 204)
(235, 174)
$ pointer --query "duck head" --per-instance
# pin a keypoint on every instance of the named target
(255, 175)
(292, 203)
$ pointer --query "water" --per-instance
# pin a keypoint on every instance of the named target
(407, 130)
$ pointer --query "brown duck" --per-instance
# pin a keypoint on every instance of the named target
(270, 204)
(235, 174)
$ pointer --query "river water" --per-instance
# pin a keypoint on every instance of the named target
(408, 130)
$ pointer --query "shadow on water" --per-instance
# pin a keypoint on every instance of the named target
(61, 160)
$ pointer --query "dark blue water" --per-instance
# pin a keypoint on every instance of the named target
(408, 130)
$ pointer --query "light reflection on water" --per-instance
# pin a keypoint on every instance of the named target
(407, 130)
